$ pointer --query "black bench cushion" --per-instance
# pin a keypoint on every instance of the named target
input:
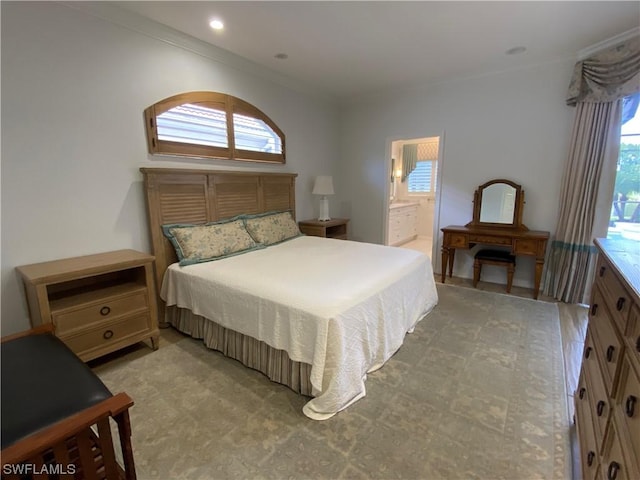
(495, 255)
(43, 382)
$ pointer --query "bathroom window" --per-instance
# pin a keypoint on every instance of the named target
(213, 125)
(423, 178)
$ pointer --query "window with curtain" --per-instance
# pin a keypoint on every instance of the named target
(597, 89)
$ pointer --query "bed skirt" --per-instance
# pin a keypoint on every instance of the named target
(255, 354)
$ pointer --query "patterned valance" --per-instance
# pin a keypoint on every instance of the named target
(608, 75)
(428, 151)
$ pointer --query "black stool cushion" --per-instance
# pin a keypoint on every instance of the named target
(43, 382)
(495, 256)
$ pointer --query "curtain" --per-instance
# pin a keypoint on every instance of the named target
(630, 107)
(409, 160)
(608, 75)
(597, 89)
(595, 139)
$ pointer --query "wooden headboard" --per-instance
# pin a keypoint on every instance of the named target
(199, 196)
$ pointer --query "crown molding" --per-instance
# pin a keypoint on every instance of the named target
(609, 42)
(150, 28)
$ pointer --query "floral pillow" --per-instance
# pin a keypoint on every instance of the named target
(211, 241)
(271, 228)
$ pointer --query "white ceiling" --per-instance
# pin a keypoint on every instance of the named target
(346, 49)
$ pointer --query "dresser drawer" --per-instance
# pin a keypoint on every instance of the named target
(606, 341)
(616, 464)
(104, 334)
(596, 390)
(628, 403)
(589, 458)
(633, 335)
(590, 364)
(77, 317)
(615, 293)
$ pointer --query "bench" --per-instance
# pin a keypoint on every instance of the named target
(500, 258)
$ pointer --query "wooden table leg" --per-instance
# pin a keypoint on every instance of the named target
(448, 255)
(445, 261)
(538, 277)
(452, 256)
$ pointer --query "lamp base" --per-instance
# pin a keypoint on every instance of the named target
(324, 210)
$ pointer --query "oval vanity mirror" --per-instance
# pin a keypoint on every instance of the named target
(498, 203)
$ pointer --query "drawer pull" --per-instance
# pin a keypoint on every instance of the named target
(600, 408)
(629, 405)
(104, 311)
(620, 303)
(594, 309)
(590, 457)
(602, 270)
(587, 352)
(107, 335)
(582, 392)
(610, 352)
(612, 471)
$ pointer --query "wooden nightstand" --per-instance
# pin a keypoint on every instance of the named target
(97, 303)
(334, 228)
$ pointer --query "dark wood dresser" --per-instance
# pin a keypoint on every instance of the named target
(607, 398)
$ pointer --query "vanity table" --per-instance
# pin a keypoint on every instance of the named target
(497, 221)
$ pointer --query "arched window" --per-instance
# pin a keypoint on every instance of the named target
(213, 125)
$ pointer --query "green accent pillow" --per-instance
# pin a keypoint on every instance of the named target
(272, 227)
(210, 241)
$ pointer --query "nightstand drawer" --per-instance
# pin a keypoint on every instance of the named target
(110, 306)
(312, 230)
(79, 295)
(334, 228)
(104, 334)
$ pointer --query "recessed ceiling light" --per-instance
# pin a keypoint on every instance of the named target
(281, 56)
(516, 50)
(216, 24)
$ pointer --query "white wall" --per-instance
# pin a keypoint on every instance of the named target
(74, 87)
(512, 125)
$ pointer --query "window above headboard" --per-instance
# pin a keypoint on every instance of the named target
(213, 125)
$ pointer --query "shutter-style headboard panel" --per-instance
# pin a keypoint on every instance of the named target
(201, 196)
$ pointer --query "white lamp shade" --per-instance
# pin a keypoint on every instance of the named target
(323, 185)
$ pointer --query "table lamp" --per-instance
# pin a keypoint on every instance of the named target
(323, 186)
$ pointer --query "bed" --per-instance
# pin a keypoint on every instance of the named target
(312, 313)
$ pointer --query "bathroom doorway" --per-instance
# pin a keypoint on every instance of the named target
(412, 213)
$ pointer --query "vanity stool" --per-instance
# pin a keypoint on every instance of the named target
(499, 258)
(56, 413)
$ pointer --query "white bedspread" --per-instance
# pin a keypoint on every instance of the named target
(343, 307)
